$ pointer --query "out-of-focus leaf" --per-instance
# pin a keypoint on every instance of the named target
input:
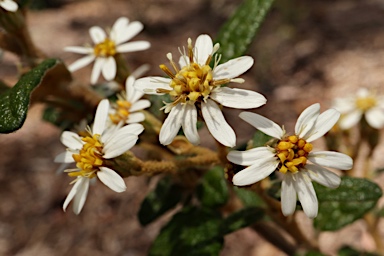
(248, 197)
(14, 102)
(348, 251)
(163, 198)
(260, 139)
(213, 190)
(238, 32)
(242, 219)
(342, 206)
(193, 231)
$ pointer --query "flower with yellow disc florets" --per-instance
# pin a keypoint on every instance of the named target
(89, 152)
(106, 47)
(364, 103)
(195, 86)
(290, 156)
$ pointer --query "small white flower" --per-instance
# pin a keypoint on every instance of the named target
(9, 5)
(364, 103)
(106, 47)
(290, 156)
(128, 105)
(196, 86)
(89, 153)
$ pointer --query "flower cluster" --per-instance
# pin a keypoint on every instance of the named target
(196, 84)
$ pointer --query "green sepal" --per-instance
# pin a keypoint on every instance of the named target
(14, 102)
(164, 197)
(342, 206)
(238, 32)
(213, 189)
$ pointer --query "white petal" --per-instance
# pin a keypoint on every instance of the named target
(118, 145)
(71, 140)
(97, 67)
(140, 71)
(149, 85)
(183, 61)
(111, 179)
(76, 187)
(133, 46)
(101, 117)
(135, 129)
(9, 5)
(306, 194)
(203, 48)
(288, 195)
(132, 93)
(263, 124)
(323, 176)
(249, 157)
(189, 124)
(238, 98)
(109, 69)
(323, 124)
(307, 119)
(217, 125)
(135, 118)
(171, 125)
(80, 63)
(65, 157)
(129, 32)
(375, 117)
(362, 93)
(255, 173)
(351, 119)
(81, 196)
(331, 159)
(139, 105)
(344, 105)
(97, 34)
(233, 68)
(118, 29)
(79, 49)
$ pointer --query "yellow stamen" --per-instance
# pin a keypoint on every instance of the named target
(105, 49)
(366, 103)
(122, 112)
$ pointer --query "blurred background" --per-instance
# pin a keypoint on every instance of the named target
(305, 52)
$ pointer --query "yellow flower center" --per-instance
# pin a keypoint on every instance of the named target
(122, 111)
(293, 153)
(366, 103)
(194, 82)
(105, 49)
(89, 158)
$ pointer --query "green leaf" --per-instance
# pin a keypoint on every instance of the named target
(248, 197)
(342, 206)
(242, 219)
(192, 231)
(14, 102)
(213, 190)
(237, 33)
(260, 139)
(165, 196)
(349, 251)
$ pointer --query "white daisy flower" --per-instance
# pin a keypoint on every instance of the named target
(127, 108)
(9, 5)
(196, 88)
(90, 152)
(364, 103)
(290, 155)
(107, 46)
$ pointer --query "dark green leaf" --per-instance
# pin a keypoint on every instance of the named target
(192, 231)
(237, 33)
(213, 190)
(165, 196)
(14, 102)
(242, 219)
(248, 197)
(342, 206)
(348, 251)
(260, 139)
